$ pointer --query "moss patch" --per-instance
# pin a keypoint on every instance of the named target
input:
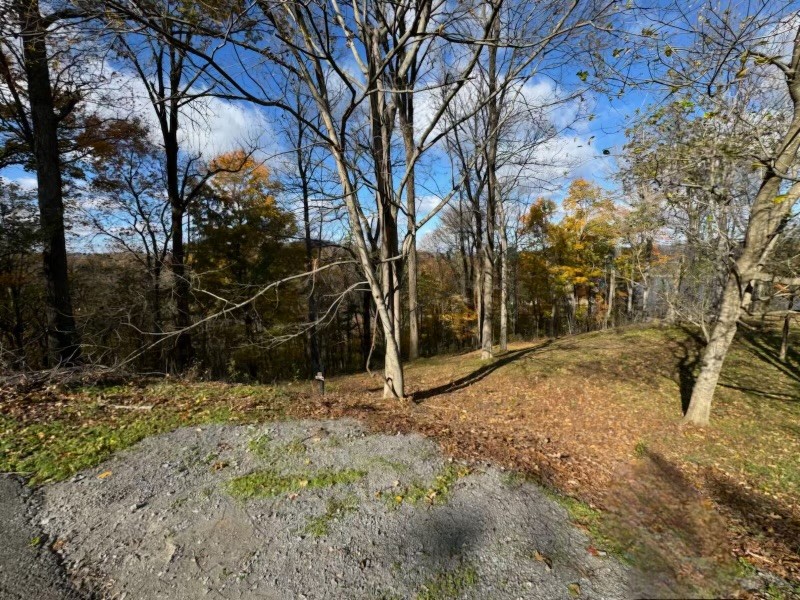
(52, 438)
(336, 509)
(435, 492)
(269, 483)
(264, 447)
(449, 585)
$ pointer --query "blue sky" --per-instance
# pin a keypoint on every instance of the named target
(221, 125)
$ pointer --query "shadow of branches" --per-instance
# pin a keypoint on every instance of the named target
(478, 374)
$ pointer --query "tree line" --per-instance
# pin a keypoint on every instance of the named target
(398, 193)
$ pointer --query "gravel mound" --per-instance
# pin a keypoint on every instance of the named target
(312, 509)
(28, 569)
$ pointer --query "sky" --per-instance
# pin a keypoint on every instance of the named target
(212, 126)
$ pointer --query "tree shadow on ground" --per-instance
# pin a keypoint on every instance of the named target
(656, 496)
(688, 353)
(666, 527)
(759, 513)
(478, 374)
(765, 346)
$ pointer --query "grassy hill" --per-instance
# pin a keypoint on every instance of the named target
(595, 417)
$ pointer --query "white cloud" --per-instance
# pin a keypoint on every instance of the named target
(25, 182)
(426, 204)
(208, 126)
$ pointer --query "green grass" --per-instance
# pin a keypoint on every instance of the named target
(605, 532)
(434, 492)
(449, 585)
(56, 440)
(56, 450)
(337, 508)
(269, 483)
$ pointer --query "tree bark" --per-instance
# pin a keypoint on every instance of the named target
(503, 278)
(62, 336)
(366, 318)
(312, 338)
(768, 217)
(714, 354)
(182, 350)
(492, 197)
(785, 333)
(612, 288)
(406, 121)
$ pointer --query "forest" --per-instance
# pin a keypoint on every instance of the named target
(303, 249)
(255, 194)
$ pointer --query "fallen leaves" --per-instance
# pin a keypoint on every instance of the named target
(577, 426)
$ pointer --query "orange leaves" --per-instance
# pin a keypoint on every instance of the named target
(239, 178)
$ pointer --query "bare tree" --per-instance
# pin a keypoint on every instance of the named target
(39, 105)
(128, 207)
(737, 54)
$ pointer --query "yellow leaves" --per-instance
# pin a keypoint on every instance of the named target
(239, 178)
(104, 475)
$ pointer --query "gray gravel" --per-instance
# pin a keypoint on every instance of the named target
(163, 524)
(28, 569)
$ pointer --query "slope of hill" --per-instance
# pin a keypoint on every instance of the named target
(596, 418)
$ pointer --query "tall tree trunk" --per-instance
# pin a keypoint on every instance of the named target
(612, 288)
(629, 299)
(487, 287)
(366, 331)
(785, 333)
(768, 217)
(646, 279)
(312, 338)
(492, 196)
(62, 336)
(477, 272)
(406, 119)
(714, 354)
(503, 278)
(311, 334)
(467, 283)
(182, 350)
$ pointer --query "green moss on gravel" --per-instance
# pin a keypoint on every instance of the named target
(449, 585)
(266, 449)
(52, 441)
(434, 492)
(336, 509)
(269, 483)
(56, 450)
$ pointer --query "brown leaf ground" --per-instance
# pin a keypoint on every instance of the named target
(597, 417)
